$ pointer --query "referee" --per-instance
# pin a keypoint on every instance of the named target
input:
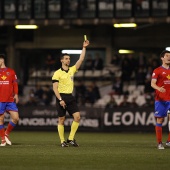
(63, 87)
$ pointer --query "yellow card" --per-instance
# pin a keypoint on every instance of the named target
(85, 37)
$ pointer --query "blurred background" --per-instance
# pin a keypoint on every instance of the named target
(115, 76)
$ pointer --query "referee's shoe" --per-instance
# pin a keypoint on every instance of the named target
(72, 142)
(64, 144)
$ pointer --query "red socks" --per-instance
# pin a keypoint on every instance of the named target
(158, 129)
(168, 137)
(11, 125)
(2, 132)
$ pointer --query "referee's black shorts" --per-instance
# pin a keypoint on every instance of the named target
(71, 105)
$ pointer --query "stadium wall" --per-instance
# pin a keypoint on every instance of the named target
(92, 119)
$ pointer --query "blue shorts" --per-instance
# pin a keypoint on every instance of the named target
(8, 106)
(161, 108)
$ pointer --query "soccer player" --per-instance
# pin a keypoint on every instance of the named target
(161, 83)
(63, 84)
(8, 100)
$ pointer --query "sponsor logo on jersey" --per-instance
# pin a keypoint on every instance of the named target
(156, 112)
(168, 77)
(3, 77)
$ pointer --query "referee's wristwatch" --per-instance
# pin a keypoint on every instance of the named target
(60, 99)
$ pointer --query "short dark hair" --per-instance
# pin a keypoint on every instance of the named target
(62, 55)
(2, 56)
(163, 53)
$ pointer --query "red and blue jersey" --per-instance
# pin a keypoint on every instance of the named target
(162, 75)
(8, 85)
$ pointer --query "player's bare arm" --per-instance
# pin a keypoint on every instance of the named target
(153, 85)
(82, 55)
(55, 89)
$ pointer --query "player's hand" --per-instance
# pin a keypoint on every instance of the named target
(86, 43)
(162, 90)
(16, 99)
(62, 103)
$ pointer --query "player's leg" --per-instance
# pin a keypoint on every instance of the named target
(61, 131)
(74, 127)
(161, 109)
(2, 130)
(158, 130)
(168, 140)
(11, 125)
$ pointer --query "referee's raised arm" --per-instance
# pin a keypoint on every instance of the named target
(82, 55)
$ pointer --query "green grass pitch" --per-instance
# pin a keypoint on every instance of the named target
(97, 151)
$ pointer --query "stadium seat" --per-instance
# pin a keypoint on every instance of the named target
(102, 5)
(145, 5)
(131, 88)
(106, 98)
(119, 5)
(97, 73)
(119, 99)
(100, 103)
(106, 74)
(44, 73)
(130, 98)
(40, 73)
(140, 100)
(141, 88)
(136, 93)
(88, 73)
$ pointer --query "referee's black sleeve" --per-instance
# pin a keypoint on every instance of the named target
(54, 81)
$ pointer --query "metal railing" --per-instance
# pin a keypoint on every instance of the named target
(80, 10)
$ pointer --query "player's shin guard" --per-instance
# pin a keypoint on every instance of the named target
(158, 130)
(10, 127)
(61, 133)
(74, 128)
